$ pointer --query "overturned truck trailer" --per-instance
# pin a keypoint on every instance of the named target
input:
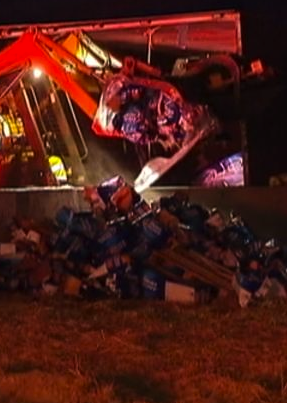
(122, 76)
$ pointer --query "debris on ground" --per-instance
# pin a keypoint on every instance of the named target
(125, 247)
(61, 350)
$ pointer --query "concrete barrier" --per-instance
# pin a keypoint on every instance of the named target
(265, 209)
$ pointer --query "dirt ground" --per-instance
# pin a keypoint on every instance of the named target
(71, 351)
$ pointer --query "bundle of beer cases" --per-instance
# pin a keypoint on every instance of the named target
(125, 247)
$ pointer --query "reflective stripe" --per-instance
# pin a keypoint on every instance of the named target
(57, 168)
(5, 128)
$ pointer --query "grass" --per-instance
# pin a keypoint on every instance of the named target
(70, 351)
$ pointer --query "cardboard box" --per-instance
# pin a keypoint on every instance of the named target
(7, 249)
(180, 293)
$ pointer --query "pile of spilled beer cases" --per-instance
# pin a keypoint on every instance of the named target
(124, 247)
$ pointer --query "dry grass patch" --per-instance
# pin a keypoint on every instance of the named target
(68, 351)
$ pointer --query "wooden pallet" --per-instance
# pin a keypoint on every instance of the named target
(193, 266)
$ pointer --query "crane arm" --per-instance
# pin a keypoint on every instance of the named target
(37, 50)
(14, 57)
(60, 52)
(64, 79)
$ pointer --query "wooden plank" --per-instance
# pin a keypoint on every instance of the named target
(193, 265)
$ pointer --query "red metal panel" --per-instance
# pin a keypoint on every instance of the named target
(27, 50)
(217, 32)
